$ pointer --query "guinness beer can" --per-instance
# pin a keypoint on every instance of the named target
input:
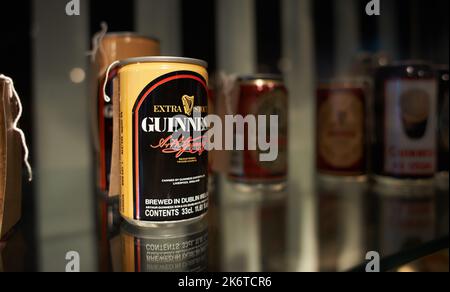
(261, 95)
(341, 128)
(405, 121)
(113, 47)
(164, 165)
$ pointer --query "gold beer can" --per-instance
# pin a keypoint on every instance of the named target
(164, 175)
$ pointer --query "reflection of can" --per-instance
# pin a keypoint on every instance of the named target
(405, 121)
(261, 95)
(443, 114)
(113, 47)
(405, 222)
(164, 177)
(343, 207)
(109, 227)
(341, 129)
(176, 249)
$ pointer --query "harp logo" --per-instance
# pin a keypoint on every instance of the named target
(188, 104)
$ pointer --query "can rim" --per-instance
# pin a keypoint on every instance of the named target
(172, 230)
(164, 59)
(131, 34)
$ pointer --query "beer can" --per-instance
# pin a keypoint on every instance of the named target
(443, 116)
(113, 47)
(164, 177)
(341, 128)
(261, 95)
(405, 122)
(179, 248)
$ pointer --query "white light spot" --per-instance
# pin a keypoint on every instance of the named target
(77, 75)
(260, 83)
(383, 61)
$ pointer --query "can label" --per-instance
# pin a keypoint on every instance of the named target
(410, 127)
(341, 131)
(246, 165)
(169, 181)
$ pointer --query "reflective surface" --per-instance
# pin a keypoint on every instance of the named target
(437, 262)
(249, 231)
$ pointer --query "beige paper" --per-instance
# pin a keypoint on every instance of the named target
(11, 186)
(2, 151)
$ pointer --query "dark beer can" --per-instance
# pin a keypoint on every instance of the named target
(341, 128)
(164, 162)
(261, 95)
(405, 121)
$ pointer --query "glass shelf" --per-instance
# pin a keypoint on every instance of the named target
(256, 232)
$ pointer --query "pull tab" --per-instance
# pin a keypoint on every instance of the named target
(13, 94)
(105, 82)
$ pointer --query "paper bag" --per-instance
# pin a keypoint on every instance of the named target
(10, 162)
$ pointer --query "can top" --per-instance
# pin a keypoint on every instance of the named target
(415, 69)
(125, 34)
(407, 63)
(164, 59)
(253, 77)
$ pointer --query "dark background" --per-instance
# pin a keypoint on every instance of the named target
(420, 26)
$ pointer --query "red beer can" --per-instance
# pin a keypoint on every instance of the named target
(261, 95)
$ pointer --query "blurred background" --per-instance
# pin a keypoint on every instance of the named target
(46, 53)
